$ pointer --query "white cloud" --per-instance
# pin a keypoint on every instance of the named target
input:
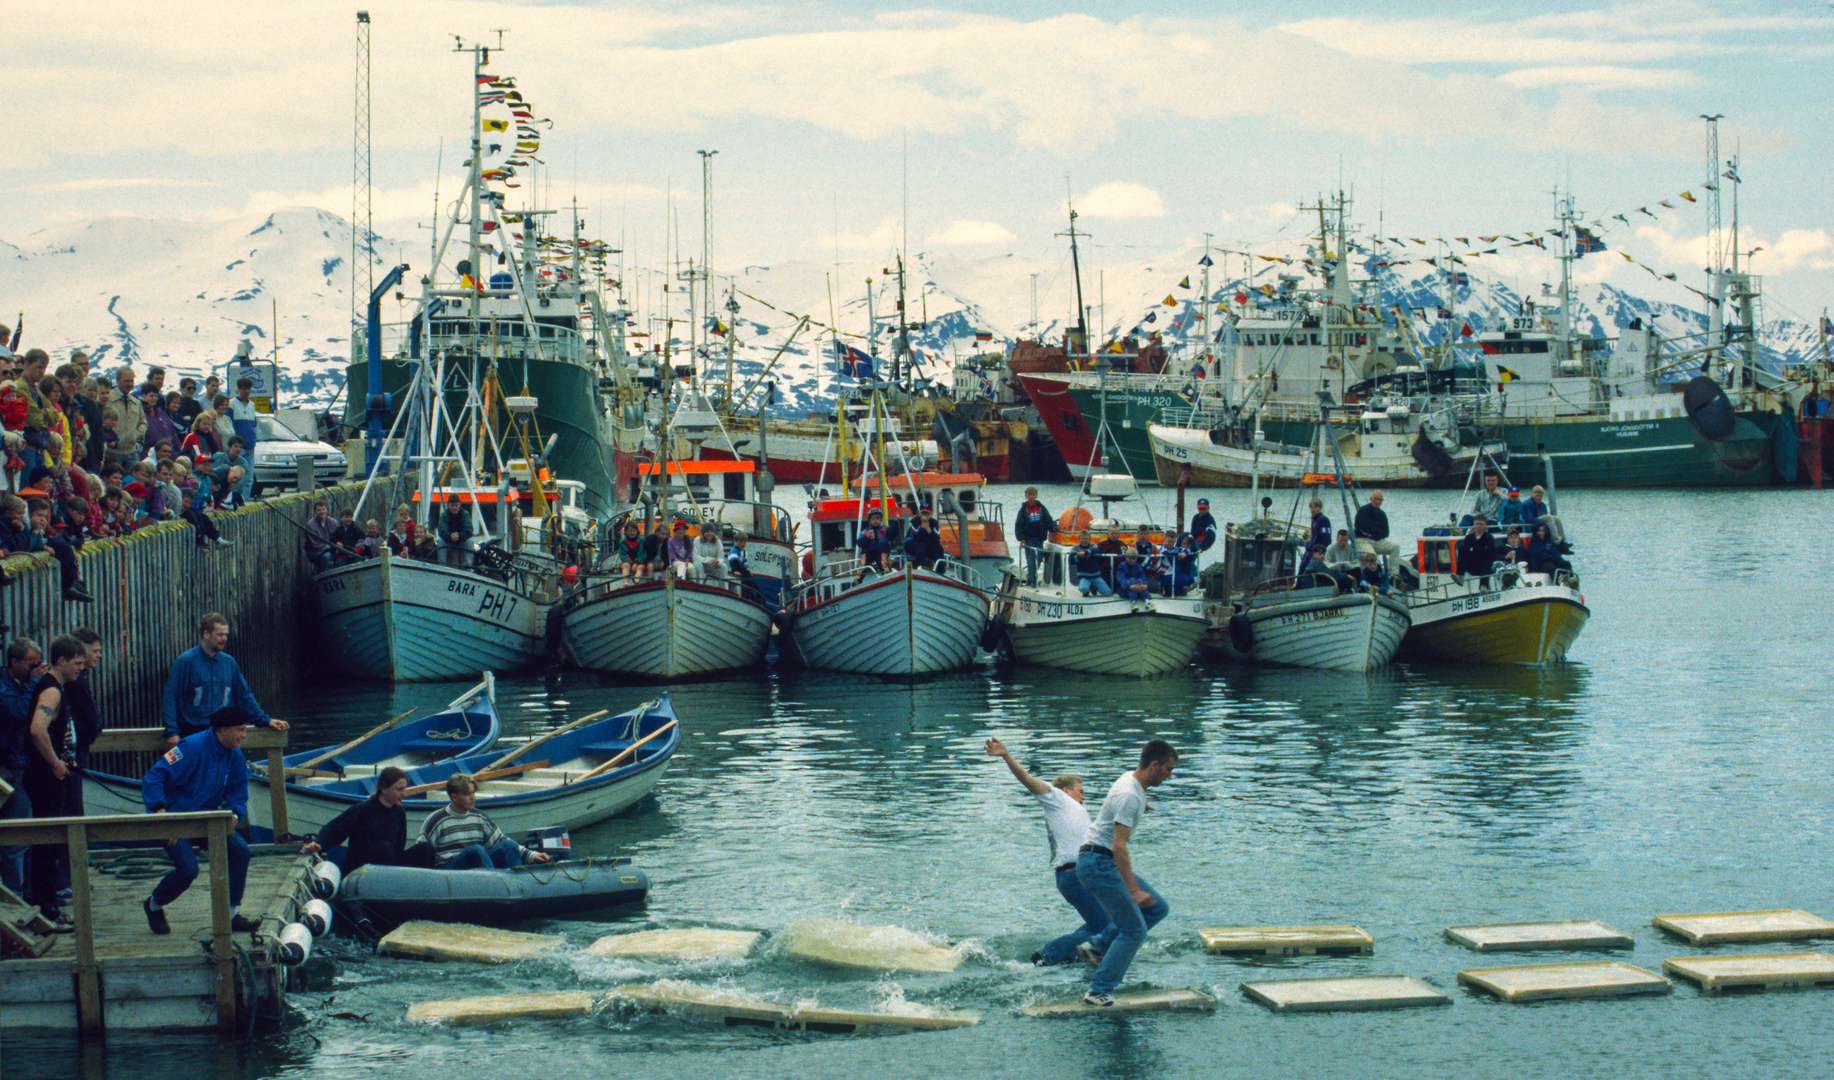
(106, 183)
(1598, 76)
(964, 233)
(1120, 199)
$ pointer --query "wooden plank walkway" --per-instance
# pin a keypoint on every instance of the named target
(147, 979)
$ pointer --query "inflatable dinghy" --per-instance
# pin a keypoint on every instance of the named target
(396, 894)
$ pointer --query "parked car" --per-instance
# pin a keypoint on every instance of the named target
(277, 450)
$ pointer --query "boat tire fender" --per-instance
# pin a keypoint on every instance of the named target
(995, 632)
(1241, 633)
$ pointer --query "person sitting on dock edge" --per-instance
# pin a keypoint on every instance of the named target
(204, 771)
(1066, 825)
(204, 679)
(464, 838)
(1104, 867)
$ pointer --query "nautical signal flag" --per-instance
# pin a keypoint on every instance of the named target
(1459, 277)
(852, 361)
(1205, 261)
(1827, 328)
(496, 125)
(1152, 316)
(1504, 375)
(1170, 300)
(1185, 284)
(1445, 313)
(982, 335)
(1241, 297)
(1585, 241)
(1466, 330)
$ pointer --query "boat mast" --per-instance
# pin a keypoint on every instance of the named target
(1081, 341)
(1207, 356)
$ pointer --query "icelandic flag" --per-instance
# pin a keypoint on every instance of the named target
(851, 361)
(1827, 327)
(1585, 241)
(1460, 278)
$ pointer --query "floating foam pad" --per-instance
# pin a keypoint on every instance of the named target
(1523, 936)
(1721, 927)
(1768, 971)
(1580, 979)
(1345, 995)
(485, 1010)
(458, 941)
(838, 943)
(689, 944)
(734, 1007)
(1132, 1001)
(1287, 940)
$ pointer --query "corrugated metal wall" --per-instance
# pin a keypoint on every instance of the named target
(151, 588)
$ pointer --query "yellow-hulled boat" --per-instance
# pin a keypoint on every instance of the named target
(1516, 617)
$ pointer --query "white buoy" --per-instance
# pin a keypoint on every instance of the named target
(317, 917)
(294, 944)
(326, 877)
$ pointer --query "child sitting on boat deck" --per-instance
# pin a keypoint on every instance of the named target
(680, 551)
(463, 838)
(1370, 576)
(1086, 563)
(631, 551)
(1132, 581)
(1178, 569)
(875, 542)
(709, 554)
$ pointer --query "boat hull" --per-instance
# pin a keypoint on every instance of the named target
(1532, 623)
(1352, 632)
(1104, 636)
(904, 624)
(665, 630)
(1176, 449)
(411, 621)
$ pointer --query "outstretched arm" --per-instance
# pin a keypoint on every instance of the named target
(996, 748)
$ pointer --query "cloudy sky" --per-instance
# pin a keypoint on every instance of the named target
(1163, 121)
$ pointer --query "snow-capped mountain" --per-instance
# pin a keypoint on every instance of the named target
(183, 295)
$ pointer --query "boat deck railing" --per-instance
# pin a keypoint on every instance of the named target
(836, 576)
(1453, 586)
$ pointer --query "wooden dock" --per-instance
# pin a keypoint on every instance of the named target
(113, 971)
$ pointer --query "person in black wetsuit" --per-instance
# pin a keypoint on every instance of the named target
(374, 830)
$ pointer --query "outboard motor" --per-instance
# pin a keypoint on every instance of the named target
(294, 945)
(552, 841)
(326, 877)
(316, 917)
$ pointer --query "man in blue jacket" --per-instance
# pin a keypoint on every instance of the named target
(1203, 527)
(206, 679)
(205, 771)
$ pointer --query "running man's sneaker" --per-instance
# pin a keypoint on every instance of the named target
(1088, 954)
(1100, 1001)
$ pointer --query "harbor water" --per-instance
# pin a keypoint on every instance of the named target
(1676, 763)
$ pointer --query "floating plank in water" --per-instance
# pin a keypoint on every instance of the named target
(1723, 927)
(838, 943)
(701, 943)
(1131, 1001)
(1562, 934)
(1757, 971)
(1287, 940)
(1345, 995)
(1580, 979)
(485, 1010)
(458, 941)
(734, 1008)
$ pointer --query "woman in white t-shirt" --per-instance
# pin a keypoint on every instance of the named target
(1066, 821)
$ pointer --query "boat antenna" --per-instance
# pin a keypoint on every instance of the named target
(1082, 318)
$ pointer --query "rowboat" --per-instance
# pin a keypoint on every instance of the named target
(468, 725)
(578, 775)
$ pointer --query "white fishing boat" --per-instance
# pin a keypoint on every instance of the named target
(1261, 612)
(664, 628)
(1053, 624)
(907, 621)
(972, 527)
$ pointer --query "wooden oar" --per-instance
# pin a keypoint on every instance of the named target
(313, 774)
(480, 777)
(371, 733)
(628, 751)
(533, 743)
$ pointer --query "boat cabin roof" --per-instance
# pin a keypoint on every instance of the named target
(849, 509)
(929, 478)
(696, 468)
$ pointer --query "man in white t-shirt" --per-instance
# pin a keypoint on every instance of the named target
(1066, 820)
(1105, 869)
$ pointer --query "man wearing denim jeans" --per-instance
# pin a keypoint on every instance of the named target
(1066, 825)
(1106, 871)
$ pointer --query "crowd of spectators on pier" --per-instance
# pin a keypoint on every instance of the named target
(91, 452)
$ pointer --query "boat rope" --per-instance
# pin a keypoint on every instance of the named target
(454, 734)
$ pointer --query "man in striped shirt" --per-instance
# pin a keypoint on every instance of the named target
(464, 839)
